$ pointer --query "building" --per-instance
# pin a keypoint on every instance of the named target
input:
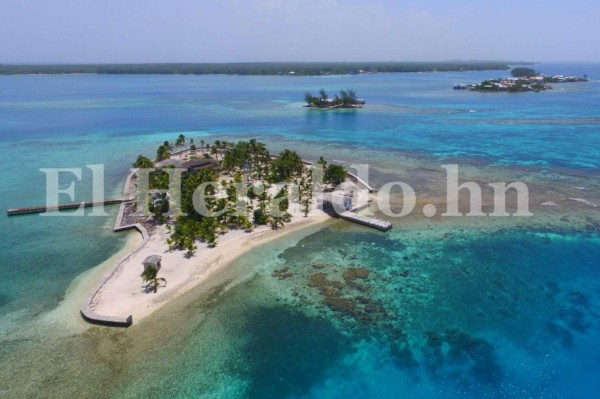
(152, 261)
(198, 164)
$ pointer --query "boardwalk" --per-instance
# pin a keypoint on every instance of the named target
(74, 205)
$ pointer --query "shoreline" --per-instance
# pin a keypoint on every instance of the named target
(123, 294)
(119, 297)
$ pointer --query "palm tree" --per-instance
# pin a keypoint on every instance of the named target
(308, 98)
(163, 152)
(180, 141)
(352, 96)
(323, 95)
(150, 276)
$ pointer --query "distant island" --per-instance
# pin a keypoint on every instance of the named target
(254, 68)
(521, 80)
(346, 99)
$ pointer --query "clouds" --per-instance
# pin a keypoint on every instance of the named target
(294, 30)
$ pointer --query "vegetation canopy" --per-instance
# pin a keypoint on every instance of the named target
(244, 187)
(518, 72)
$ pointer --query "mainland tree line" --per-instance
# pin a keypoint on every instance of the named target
(256, 68)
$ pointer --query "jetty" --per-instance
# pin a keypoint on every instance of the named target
(346, 204)
(72, 205)
(382, 225)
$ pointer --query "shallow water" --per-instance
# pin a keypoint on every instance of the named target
(439, 313)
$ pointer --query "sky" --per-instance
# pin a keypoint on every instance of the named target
(128, 31)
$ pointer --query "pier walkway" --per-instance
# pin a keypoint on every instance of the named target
(73, 205)
(378, 224)
(345, 205)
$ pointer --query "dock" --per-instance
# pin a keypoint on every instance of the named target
(382, 225)
(53, 208)
(346, 207)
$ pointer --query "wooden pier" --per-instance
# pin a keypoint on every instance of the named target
(73, 205)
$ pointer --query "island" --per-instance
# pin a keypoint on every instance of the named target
(521, 80)
(345, 99)
(253, 198)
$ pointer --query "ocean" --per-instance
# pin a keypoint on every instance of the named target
(431, 309)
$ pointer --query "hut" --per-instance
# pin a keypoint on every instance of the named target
(198, 164)
(152, 261)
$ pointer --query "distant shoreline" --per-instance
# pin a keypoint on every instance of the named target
(252, 69)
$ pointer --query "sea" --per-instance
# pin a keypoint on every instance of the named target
(426, 310)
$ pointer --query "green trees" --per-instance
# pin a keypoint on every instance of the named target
(235, 157)
(231, 203)
(286, 166)
(215, 151)
(334, 174)
(517, 72)
(180, 142)
(308, 98)
(278, 68)
(194, 226)
(259, 217)
(352, 96)
(143, 162)
(150, 276)
(345, 99)
(159, 179)
(164, 151)
(185, 235)
(323, 95)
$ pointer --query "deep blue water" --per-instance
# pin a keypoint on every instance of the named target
(507, 316)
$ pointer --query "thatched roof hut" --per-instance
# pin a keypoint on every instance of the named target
(152, 261)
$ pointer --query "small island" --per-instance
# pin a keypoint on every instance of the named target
(250, 196)
(521, 80)
(345, 99)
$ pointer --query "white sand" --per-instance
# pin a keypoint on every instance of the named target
(124, 294)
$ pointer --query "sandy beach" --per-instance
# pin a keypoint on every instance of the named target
(124, 294)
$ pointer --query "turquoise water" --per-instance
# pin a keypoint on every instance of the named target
(441, 314)
(514, 316)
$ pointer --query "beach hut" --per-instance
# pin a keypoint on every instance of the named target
(198, 164)
(152, 261)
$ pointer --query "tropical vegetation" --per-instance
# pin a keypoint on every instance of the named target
(345, 99)
(150, 276)
(248, 187)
